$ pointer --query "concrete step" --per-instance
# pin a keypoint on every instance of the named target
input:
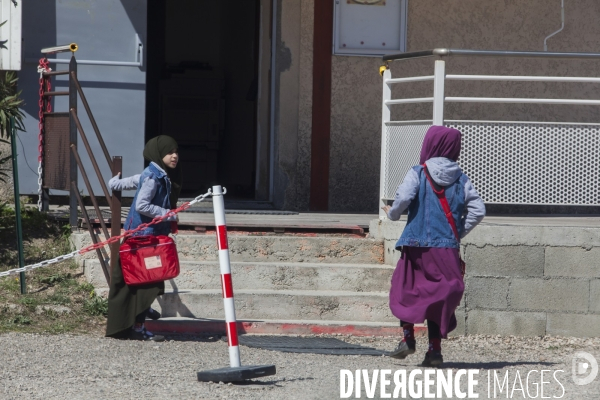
(272, 276)
(278, 304)
(271, 248)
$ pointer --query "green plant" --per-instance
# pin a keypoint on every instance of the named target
(29, 301)
(22, 320)
(4, 160)
(86, 287)
(59, 298)
(55, 278)
(10, 103)
(96, 305)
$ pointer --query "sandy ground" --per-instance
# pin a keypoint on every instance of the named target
(93, 367)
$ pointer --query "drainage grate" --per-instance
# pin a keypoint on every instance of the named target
(311, 345)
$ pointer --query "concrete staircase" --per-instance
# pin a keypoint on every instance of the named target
(284, 280)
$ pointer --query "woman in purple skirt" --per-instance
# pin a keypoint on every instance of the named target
(427, 283)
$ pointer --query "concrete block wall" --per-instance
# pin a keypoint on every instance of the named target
(523, 280)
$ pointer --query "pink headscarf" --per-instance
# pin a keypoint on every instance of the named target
(441, 141)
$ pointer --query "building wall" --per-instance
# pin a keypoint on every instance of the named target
(522, 280)
(356, 84)
(293, 102)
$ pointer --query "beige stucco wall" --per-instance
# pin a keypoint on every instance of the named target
(356, 84)
(467, 24)
(502, 25)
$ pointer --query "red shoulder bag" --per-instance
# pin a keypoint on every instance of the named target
(148, 259)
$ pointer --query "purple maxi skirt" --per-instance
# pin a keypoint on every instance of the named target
(427, 284)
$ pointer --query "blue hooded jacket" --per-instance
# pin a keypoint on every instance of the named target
(162, 185)
(427, 225)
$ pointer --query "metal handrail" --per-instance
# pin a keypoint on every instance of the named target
(88, 110)
(411, 79)
(523, 100)
(519, 78)
(408, 101)
(487, 53)
(91, 231)
(88, 185)
(115, 164)
(138, 55)
(91, 154)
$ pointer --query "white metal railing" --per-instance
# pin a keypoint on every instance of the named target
(138, 56)
(565, 154)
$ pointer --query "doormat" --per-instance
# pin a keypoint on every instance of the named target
(313, 345)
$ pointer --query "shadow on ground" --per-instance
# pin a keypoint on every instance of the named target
(492, 365)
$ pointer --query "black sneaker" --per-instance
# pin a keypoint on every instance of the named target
(404, 349)
(433, 359)
(153, 314)
(145, 336)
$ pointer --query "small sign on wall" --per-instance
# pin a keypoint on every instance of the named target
(369, 27)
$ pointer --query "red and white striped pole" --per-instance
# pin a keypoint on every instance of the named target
(236, 372)
(226, 284)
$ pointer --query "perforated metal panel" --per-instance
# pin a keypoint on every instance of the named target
(512, 163)
(532, 163)
(403, 144)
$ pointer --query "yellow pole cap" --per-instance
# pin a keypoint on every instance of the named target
(382, 69)
(73, 47)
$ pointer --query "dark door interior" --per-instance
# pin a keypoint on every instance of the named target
(202, 82)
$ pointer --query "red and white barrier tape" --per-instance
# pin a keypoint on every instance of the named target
(226, 283)
(113, 239)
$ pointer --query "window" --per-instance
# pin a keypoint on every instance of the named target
(369, 27)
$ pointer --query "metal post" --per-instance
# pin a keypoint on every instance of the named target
(226, 283)
(385, 117)
(73, 141)
(115, 213)
(15, 165)
(236, 372)
(438, 92)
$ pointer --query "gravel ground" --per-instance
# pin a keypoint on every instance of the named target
(92, 367)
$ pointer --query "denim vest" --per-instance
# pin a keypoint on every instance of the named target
(427, 225)
(161, 199)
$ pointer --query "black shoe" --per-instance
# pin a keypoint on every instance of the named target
(433, 359)
(153, 314)
(145, 336)
(404, 349)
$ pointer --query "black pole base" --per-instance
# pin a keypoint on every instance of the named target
(236, 374)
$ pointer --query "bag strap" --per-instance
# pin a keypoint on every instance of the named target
(441, 195)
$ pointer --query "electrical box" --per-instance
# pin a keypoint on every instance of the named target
(10, 35)
(369, 27)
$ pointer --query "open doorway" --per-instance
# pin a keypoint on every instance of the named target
(203, 87)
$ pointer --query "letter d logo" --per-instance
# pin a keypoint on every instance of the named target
(581, 368)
